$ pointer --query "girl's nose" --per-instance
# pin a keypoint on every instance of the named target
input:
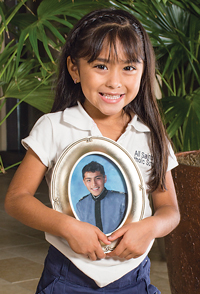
(113, 80)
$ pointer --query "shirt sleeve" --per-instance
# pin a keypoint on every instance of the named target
(172, 161)
(40, 139)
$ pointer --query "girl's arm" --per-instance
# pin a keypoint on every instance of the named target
(137, 236)
(21, 204)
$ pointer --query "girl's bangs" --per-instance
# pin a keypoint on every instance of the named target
(109, 36)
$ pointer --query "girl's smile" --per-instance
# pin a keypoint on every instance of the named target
(111, 98)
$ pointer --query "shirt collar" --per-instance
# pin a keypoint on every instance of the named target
(101, 196)
(78, 117)
(138, 124)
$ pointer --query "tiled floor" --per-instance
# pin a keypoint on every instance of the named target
(22, 251)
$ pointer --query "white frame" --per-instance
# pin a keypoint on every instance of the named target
(64, 167)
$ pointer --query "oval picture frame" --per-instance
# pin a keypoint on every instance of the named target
(121, 171)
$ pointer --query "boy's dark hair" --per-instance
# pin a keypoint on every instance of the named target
(93, 166)
(86, 41)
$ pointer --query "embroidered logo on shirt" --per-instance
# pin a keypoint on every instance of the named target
(143, 158)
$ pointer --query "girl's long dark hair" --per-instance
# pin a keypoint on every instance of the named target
(85, 41)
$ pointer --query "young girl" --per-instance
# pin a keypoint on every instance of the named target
(105, 88)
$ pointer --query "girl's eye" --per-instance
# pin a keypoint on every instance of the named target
(101, 66)
(129, 68)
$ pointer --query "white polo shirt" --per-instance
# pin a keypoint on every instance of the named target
(51, 134)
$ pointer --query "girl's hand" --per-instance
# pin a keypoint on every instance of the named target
(21, 204)
(136, 238)
(84, 239)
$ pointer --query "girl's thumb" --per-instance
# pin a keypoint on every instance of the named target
(103, 238)
(117, 234)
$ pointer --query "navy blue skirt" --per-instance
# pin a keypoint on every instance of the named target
(61, 276)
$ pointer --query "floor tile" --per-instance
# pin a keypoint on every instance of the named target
(159, 268)
(12, 225)
(19, 269)
(158, 273)
(161, 283)
(30, 285)
(34, 252)
(13, 289)
(5, 254)
(3, 282)
(11, 239)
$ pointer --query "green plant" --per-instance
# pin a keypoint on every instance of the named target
(28, 61)
(174, 29)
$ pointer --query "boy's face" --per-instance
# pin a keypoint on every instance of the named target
(94, 182)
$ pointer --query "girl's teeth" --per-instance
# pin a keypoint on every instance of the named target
(111, 96)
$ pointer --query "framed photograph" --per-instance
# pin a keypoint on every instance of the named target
(97, 181)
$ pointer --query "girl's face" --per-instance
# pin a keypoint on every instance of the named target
(109, 83)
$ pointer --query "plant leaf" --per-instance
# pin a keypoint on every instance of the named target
(45, 42)
(183, 112)
(33, 91)
(191, 140)
(55, 32)
(12, 14)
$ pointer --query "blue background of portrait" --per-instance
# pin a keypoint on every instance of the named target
(115, 179)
